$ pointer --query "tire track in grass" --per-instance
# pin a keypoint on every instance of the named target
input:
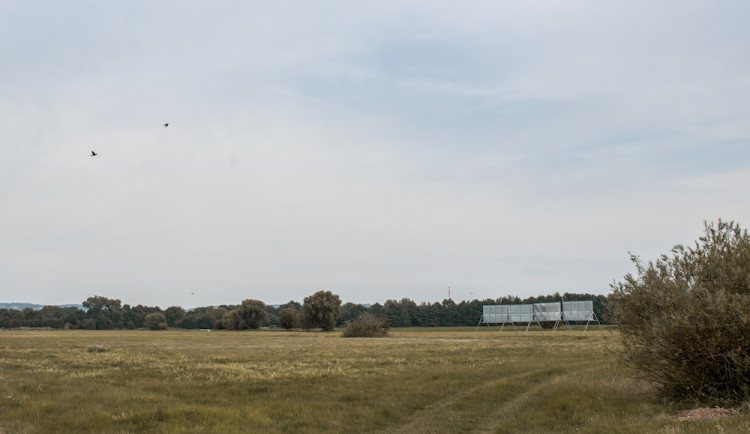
(509, 392)
(493, 421)
(437, 416)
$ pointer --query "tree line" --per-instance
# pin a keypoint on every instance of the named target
(320, 310)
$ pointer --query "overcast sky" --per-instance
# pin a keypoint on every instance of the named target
(379, 150)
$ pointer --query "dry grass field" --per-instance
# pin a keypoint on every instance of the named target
(417, 380)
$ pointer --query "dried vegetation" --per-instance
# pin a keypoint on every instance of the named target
(418, 380)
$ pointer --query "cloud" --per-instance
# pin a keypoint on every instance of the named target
(381, 151)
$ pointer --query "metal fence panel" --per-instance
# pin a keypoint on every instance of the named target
(495, 314)
(521, 313)
(547, 311)
(578, 310)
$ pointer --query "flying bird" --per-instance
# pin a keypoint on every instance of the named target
(166, 125)
(93, 154)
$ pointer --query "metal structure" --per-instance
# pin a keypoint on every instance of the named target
(522, 313)
(548, 312)
(508, 314)
(579, 311)
(512, 314)
(495, 314)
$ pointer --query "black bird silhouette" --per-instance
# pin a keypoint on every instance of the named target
(166, 125)
(93, 154)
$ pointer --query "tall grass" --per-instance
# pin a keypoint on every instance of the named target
(417, 380)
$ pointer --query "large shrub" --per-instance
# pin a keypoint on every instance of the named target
(252, 314)
(155, 321)
(288, 318)
(230, 320)
(366, 325)
(685, 318)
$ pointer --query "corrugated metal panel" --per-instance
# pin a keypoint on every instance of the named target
(495, 314)
(521, 313)
(547, 311)
(578, 310)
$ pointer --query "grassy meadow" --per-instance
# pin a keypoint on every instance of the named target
(417, 380)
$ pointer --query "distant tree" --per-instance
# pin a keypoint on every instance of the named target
(218, 315)
(199, 318)
(377, 310)
(349, 312)
(174, 315)
(411, 309)
(134, 317)
(272, 316)
(32, 317)
(321, 310)
(397, 314)
(88, 324)
(107, 313)
(293, 304)
(52, 316)
(252, 314)
(685, 318)
(432, 314)
(11, 318)
(72, 317)
(448, 313)
(155, 321)
(229, 321)
(288, 318)
(468, 313)
(128, 317)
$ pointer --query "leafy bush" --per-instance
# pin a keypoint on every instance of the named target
(288, 318)
(252, 314)
(229, 320)
(366, 325)
(155, 321)
(321, 310)
(685, 319)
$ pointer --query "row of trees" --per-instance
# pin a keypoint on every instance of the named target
(321, 310)
(407, 313)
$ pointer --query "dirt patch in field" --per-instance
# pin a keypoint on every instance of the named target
(702, 414)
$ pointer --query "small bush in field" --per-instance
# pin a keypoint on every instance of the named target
(366, 325)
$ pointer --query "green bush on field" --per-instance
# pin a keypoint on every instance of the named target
(685, 319)
(321, 309)
(288, 318)
(252, 314)
(155, 321)
(366, 325)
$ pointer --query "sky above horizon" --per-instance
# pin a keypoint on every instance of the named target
(378, 150)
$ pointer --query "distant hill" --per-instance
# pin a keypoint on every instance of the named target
(22, 306)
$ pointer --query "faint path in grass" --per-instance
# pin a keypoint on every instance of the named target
(424, 421)
(494, 420)
(481, 412)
